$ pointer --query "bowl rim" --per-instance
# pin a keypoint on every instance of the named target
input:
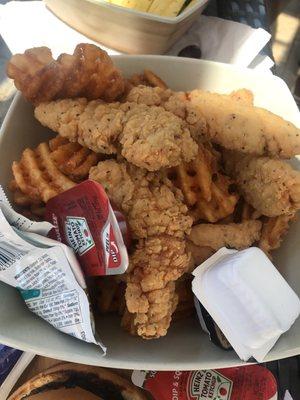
(114, 362)
(167, 20)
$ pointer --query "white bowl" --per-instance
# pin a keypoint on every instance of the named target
(125, 29)
(185, 347)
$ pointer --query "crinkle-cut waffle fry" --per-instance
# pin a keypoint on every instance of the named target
(154, 80)
(89, 73)
(148, 78)
(110, 295)
(185, 306)
(72, 159)
(199, 254)
(244, 212)
(273, 231)
(37, 176)
(206, 191)
(29, 207)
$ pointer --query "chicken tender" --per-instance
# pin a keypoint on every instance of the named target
(158, 220)
(148, 136)
(174, 102)
(238, 126)
(270, 186)
(89, 73)
(273, 232)
(215, 236)
(150, 294)
(150, 201)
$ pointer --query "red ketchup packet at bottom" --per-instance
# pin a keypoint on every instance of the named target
(84, 219)
(251, 382)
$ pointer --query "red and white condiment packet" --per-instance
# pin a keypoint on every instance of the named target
(46, 273)
(252, 382)
(85, 220)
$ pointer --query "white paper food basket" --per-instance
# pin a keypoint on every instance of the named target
(185, 347)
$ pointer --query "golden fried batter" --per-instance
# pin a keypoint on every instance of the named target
(148, 136)
(238, 126)
(273, 231)
(215, 236)
(150, 294)
(89, 73)
(271, 186)
(158, 219)
(151, 202)
(174, 102)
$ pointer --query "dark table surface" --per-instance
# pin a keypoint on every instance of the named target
(254, 13)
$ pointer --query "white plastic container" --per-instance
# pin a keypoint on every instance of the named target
(247, 298)
(125, 29)
(185, 347)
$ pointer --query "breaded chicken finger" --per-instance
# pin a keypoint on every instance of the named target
(238, 126)
(158, 220)
(270, 186)
(148, 136)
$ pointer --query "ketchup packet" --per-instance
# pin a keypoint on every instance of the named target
(46, 273)
(252, 382)
(85, 220)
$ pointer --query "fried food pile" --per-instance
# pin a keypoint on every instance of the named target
(147, 136)
(192, 172)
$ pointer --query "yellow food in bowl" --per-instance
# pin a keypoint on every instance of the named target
(166, 8)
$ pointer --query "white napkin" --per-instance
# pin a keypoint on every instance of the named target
(287, 396)
(224, 41)
(29, 24)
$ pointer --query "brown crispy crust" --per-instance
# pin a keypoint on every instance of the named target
(89, 73)
(63, 372)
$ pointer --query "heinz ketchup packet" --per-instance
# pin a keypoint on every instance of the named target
(239, 289)
(252, 382)
(48, 276)
(84, 219)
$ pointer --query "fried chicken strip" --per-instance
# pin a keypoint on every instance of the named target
(215, 236)
(158, 220)
(174, 102)
(273, 232)
(238, 126)
(178, 104)
(89, 73)
(149, 136)
(270, 186)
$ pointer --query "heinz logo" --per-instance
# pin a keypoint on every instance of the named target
(209, 384)
(78, 234)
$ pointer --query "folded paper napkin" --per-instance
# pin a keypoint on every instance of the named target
(31, 24)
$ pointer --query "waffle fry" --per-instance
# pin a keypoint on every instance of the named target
(185, 307)
(244, 212)
(205, 189)
(273, 231)
(148, 78)
(48, 170)
(110, 295)
(72, 159)
(37, 175)
(199, 254)
(89, 73)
